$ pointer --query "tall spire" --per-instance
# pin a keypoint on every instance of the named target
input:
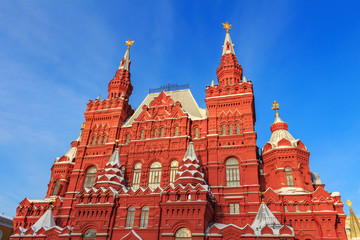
(125, 63)
(120, 84)
(230, 71)
(228, 46)
(354, 223)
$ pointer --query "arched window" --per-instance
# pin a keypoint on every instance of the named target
(93, 140)
(155, 133)
(130, 217)
(230, 129)
(105, 106)
(142, 134)
(90, 235)
(174, 166)
(285, 208)
(137, 174)
(176, 131)
(98, 141)
(56, 188)
(238, 128)
(90, 178)
(183, 234)
(162, 132)
(127, 139)
(223, 129)
(144, 217)
(196, 133)
(296, 208)
(308, 208)
(289, 177)
(155, 175)
(104, 139)
(232, 173)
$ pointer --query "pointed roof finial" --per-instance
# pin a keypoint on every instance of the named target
(129, 43)
(227, 26)
(244, 78)
(98, 97)
(275, 107)
(212, 83)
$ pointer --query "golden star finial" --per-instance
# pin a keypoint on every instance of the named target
(349, 203)
(275, 106)
(129, 43)
(227, 26)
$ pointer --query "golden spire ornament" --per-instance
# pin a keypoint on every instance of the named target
(349, 203)
(227, 26)
(129, 43)
(275, 106)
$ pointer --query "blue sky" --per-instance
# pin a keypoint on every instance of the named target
(56, 55)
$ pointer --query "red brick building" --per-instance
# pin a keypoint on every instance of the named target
(172, 170)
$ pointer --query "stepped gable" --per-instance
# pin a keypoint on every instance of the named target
(182, 100)
(190, 170)
(265, 223)
(280, 137)
(112, 175)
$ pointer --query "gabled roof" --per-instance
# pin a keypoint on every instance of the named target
(188, 103)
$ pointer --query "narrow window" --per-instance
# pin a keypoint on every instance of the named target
(137, 175)
(90, 178)
(155, 133)
(234, 208)
(104, 139)
(105, 106)
(238, 128)
(223, 129)
(289, 177)
(183, 234)
(296, 208)
(174, 166)
(232, 173)
(127, 139)
(98, 141)
(144, 217)
(142, 134)
(155, 175)
(130, 217)
(196, 133)
(90, 235)
(176, 131)
(93, 140)
(285, 208)
(308, 208)
(56, 188)
(162, 132)
(228, 92)
(230, 129)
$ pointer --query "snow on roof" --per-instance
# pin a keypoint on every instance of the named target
(188, 103)
(46, 221)
(132, 232)
(291, 191)
(264, 217)
(114, 159)
(227, 50)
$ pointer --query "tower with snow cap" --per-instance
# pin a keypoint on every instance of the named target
(285, 159)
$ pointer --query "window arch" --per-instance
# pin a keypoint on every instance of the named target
(155, 133)
(174, 167)
(127, 139)
(104, 140)
(183, 234)
(155, 175)
(232, 172)
(56, 188)
(137, 175)
(176, 131)
(90, 177)
(223, 129)
(93, 140)
(289, 177)
(238, 128)
(130, 217)
(144, 217)
(142, 133)
(162, 132)
(230, 129)
(196, 133)
(90, 235)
